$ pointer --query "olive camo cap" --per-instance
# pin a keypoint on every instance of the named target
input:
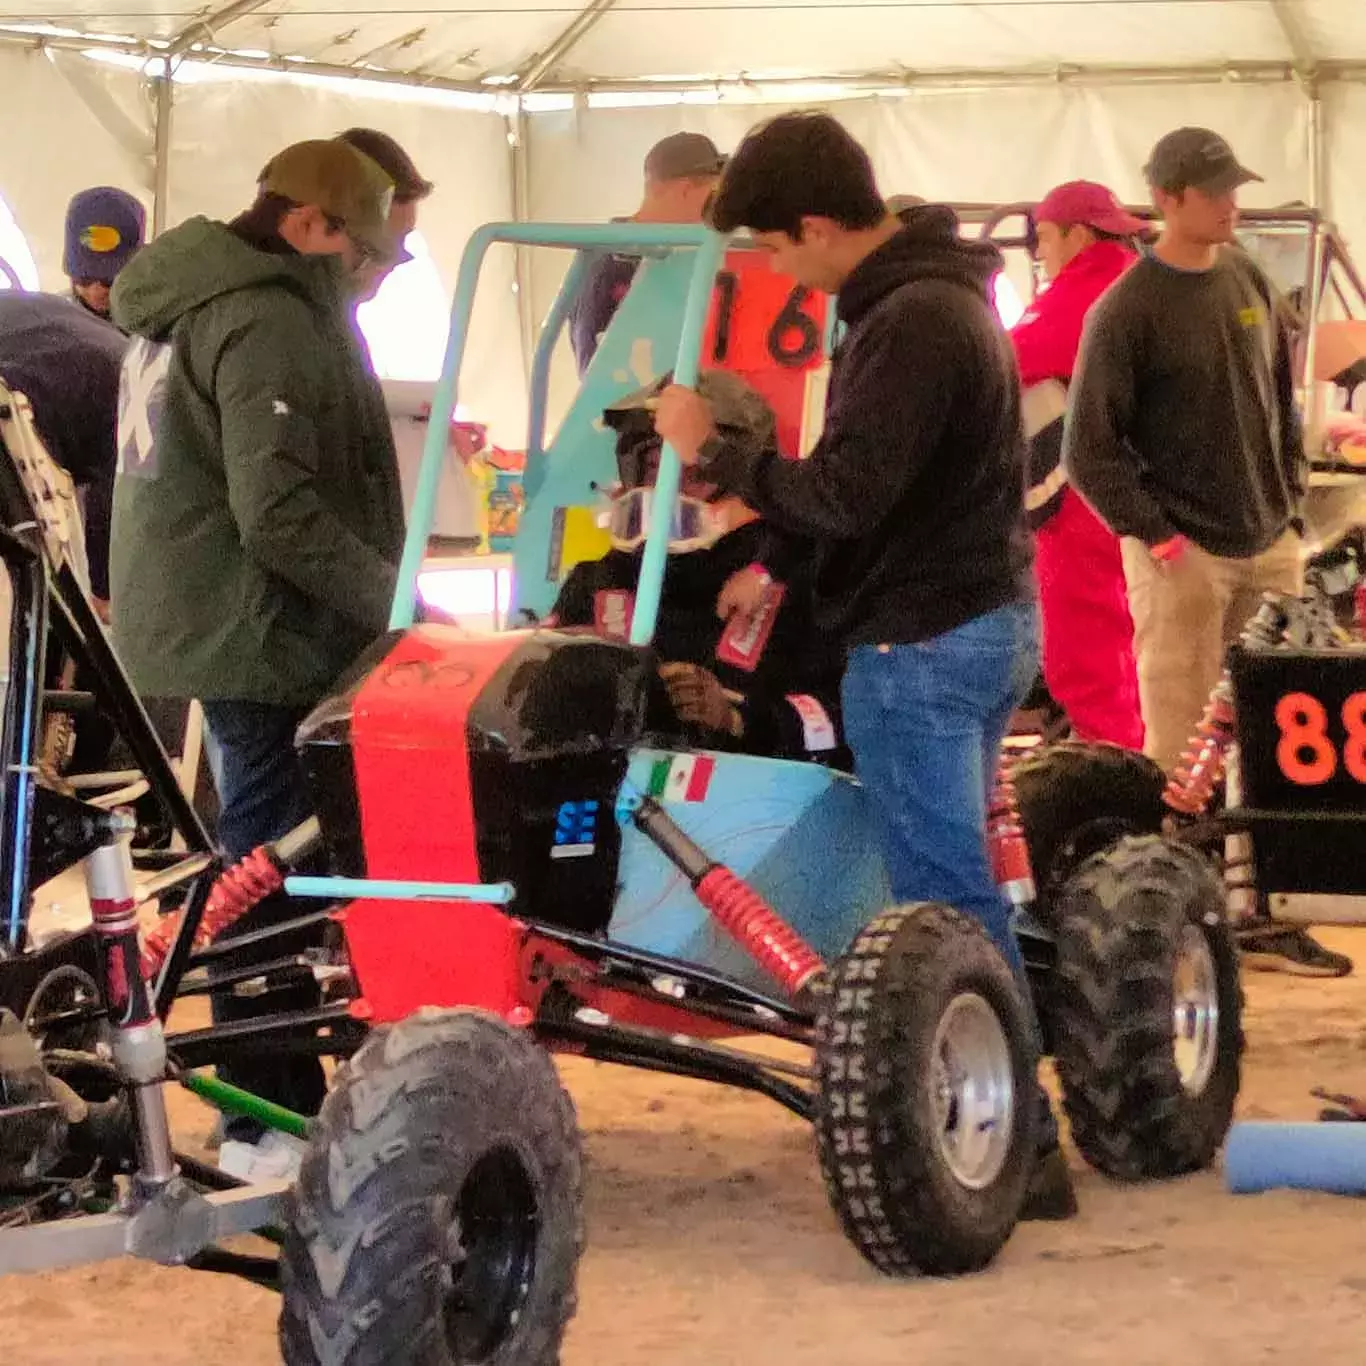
(344, 183)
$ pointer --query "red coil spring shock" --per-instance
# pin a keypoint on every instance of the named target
(238, 889)
(1201, 766)
(759, 929)
(1006, 843)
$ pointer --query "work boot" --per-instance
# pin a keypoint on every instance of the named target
(1265, 946)
(1051, 1195)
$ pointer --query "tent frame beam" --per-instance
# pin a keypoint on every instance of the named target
(1306, 58)
(543, 63)
(207, 28)
(891, 82)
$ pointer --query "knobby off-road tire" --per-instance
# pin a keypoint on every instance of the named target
(1148, 1010)
(925, 1173)
(437, 1219)
(1076, 800)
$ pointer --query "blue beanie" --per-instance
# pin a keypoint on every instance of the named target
(104, 227)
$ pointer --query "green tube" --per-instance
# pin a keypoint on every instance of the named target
(233, 1100)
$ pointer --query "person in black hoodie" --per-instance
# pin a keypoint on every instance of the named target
(914, 496)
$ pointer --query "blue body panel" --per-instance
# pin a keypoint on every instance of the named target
(799, 833)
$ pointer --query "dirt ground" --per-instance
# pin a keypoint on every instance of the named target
(710, 1241)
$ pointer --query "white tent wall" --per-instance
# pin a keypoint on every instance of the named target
(73, 123)
(1344, 131)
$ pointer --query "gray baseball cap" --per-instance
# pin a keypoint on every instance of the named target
(682, 155)
(1196, 159)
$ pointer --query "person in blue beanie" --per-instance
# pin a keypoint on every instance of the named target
(105, 227)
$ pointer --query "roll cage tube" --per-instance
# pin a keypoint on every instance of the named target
(645, 239)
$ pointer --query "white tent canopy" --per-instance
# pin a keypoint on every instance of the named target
(557, 44)
(539, 109)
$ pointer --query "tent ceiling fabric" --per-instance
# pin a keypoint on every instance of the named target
(660, 41)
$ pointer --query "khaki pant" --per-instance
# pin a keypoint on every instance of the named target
(1186, 615)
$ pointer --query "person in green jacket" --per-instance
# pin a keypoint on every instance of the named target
(258, 519)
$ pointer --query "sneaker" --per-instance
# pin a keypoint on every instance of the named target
(1285, 948)
(274, 1157)
(1051, 1195)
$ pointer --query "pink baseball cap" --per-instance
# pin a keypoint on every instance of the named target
(1085, 202)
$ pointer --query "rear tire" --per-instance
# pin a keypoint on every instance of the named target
(437, 1218)
(927, 1107)
(1076, 800)
(1148, 1007)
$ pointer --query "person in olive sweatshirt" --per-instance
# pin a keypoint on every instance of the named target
(914, 499)
(1184, 434)
(258, 520)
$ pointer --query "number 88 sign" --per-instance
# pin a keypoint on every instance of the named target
(1307, 751)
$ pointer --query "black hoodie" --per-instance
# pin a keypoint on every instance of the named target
(915, 491)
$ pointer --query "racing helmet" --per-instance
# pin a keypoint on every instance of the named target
(741, 414)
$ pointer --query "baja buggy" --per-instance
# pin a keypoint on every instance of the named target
(515, 865)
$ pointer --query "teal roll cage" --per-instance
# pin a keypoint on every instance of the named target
(644, 239)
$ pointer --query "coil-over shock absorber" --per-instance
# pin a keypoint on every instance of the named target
(1204, 762)
(734, 904)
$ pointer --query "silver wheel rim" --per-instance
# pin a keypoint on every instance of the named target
(972, 1086)
(1195, 1011)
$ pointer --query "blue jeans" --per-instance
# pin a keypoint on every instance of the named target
(925, 722)
(262, 795)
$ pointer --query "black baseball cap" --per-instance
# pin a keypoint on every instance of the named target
(1196, 159)
(682, 155)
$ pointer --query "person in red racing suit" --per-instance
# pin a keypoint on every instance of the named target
(1088, 656)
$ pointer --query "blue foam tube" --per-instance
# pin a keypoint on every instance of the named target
(1313, 1157)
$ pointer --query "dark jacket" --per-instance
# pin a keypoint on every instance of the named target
(65, 360)
(792, 663)
(915, 490)
(257, 513)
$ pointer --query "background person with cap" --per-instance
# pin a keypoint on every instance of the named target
(1182, 432)
(410, 189)
(1084, 244)
(258, 520)
(681, 172)
(104, 228)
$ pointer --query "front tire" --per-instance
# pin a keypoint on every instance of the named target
(437, 1220)
(927, 1107)
(1148, 1010)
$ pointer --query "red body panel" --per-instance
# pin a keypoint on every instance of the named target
(411, 754)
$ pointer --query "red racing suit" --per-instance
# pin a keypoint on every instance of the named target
(1088, 652)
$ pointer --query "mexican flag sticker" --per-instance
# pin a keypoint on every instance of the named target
(681, 778)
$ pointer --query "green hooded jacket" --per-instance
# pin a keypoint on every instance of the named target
(258, 518)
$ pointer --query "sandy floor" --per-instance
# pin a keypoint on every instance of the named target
(710, 1241)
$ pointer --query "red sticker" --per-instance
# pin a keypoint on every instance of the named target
(742, 642)
(613, 609)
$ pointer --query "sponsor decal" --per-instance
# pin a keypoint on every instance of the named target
(743, 641)
(613, 609)
(681, 778)
(576, 828)
(818, 730)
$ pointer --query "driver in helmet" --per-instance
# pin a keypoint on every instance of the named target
(757, 682)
